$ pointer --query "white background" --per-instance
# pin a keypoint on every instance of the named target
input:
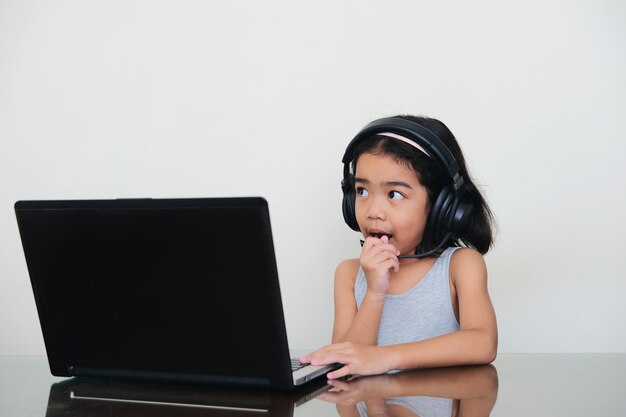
(108, 99)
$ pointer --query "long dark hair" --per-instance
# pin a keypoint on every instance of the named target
(432, 175)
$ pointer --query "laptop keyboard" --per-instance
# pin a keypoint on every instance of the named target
(295, 364)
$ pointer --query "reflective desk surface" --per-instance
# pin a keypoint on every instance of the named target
(515, 385)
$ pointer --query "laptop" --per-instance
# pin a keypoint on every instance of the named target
(178, 290)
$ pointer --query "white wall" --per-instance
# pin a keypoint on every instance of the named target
(106, 99)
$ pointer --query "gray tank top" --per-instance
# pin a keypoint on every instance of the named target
(420, 406)
(422, 312)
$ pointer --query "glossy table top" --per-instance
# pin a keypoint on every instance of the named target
(516, 385)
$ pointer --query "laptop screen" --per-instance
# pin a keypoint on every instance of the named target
(172, 286)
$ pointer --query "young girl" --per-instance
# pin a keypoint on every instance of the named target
(417, 297)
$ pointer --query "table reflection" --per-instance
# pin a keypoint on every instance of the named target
(540, 385)
(458, 391)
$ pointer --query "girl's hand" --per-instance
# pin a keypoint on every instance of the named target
(351, 391)
(356, 359)
(346, 395)
(378, 258)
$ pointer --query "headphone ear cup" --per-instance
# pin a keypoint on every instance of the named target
(448, 214)
(347, 205)
(460, 217)
(435, 225)
(434, 221)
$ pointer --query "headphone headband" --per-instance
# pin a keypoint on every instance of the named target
(415, 132)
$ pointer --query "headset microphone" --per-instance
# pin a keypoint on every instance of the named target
(425, 254)
(430, 252)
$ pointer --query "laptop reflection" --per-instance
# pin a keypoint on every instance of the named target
(103, 397)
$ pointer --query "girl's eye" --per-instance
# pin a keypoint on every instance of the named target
(361, 192)
(395, 195)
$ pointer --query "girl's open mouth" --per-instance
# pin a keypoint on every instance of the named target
(379, 235)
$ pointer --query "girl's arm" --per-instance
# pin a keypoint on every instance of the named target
(352, 324)
(378, 258)
(474, 343)
(474, 390)
(477, 340)
(461, 383)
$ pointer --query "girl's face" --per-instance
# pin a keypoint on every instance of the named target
(390, 201)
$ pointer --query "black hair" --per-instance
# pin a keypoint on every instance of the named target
(432, 175)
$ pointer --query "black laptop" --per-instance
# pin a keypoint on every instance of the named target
(179, 290)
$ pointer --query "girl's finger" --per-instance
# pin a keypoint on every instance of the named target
(341, 372)
(340, 385)
(336, 356)
(369, 243)
(380, 247)
(391, 264)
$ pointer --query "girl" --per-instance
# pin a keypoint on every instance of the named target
(417, 297)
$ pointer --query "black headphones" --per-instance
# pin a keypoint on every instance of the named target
(449, 214)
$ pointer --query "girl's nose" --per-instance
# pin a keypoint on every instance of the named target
(376, 209)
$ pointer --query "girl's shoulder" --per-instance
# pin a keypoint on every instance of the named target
(347, 271)
(464, 254)
(467, 262)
